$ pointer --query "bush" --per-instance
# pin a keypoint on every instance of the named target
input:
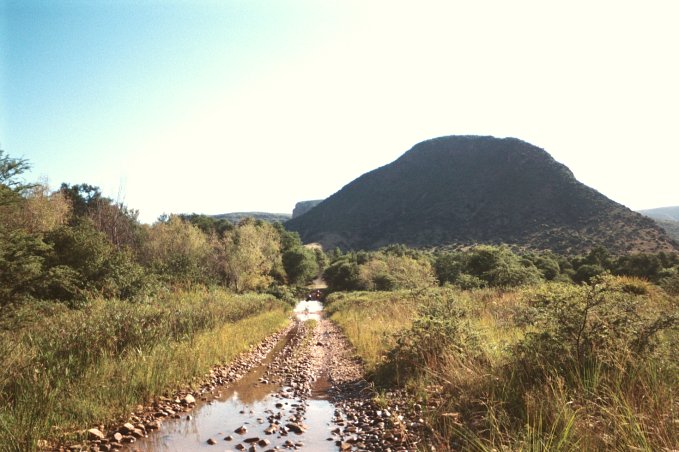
(84, 262)
(469, 282)
(300, 265)
(441, 328)
(394, 272)
(586, 272)
(22, 257)
(607, 323)
(342, 274)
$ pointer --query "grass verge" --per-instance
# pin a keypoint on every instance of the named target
(62, 370)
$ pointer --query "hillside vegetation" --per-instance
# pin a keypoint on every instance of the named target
(465, 190)
(671, 227)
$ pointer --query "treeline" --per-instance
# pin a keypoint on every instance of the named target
(399, 267)
(74, 244)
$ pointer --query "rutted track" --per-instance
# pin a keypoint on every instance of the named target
(299, 389)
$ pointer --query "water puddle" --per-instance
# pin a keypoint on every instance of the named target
(309, 310)
(252, 414)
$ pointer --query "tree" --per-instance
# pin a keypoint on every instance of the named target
(83, 261)
(11, 187)
(342, 274)
(499, 267)
(300, 265)
(396, 271)
(177, 251)
(83, 197)
(22, 257)
(38, 211)
(248, 254)
(448, 267)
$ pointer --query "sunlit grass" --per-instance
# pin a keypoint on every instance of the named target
(370, 319)
(81, 368)
(488, 401)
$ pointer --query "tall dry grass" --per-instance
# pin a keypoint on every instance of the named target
(62, 370)
(510, 376)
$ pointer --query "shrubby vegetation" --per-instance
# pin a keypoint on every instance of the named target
(73, 244)
(398, 267)
(551, 366)
(97, 304)
(521, 350)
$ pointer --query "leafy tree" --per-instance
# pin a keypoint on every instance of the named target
(177, 251)
(41, 211)
(207, 224)
(641, 265)
(22, 258)
(83, 197)
(448, 267)
(548, 266)
(394, 271)
(300, 265)
(321, 260)
(586, 272)
(248, 255)
(342, 274)
(83, 261)
(499, 267)
(11, 187)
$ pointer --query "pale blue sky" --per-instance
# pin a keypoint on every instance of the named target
(218, 106)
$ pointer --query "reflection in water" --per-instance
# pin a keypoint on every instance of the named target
(308, 310)
(249, 402)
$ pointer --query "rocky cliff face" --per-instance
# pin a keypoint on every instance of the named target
(303, 207)
(462, 190)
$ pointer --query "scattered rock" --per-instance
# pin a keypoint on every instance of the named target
(95, 434)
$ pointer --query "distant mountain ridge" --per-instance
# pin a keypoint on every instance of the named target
(662, 213)
(667, 218)
(235, 217)
(462, 190)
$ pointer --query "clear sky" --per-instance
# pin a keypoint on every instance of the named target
(221, 106)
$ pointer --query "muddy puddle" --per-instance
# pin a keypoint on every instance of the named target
(254, 413)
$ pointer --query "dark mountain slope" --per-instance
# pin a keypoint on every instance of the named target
(467, 189)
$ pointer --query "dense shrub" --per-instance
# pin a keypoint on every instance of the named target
(343, 274)
(394, 272)
(608, 322)
(442, 327)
